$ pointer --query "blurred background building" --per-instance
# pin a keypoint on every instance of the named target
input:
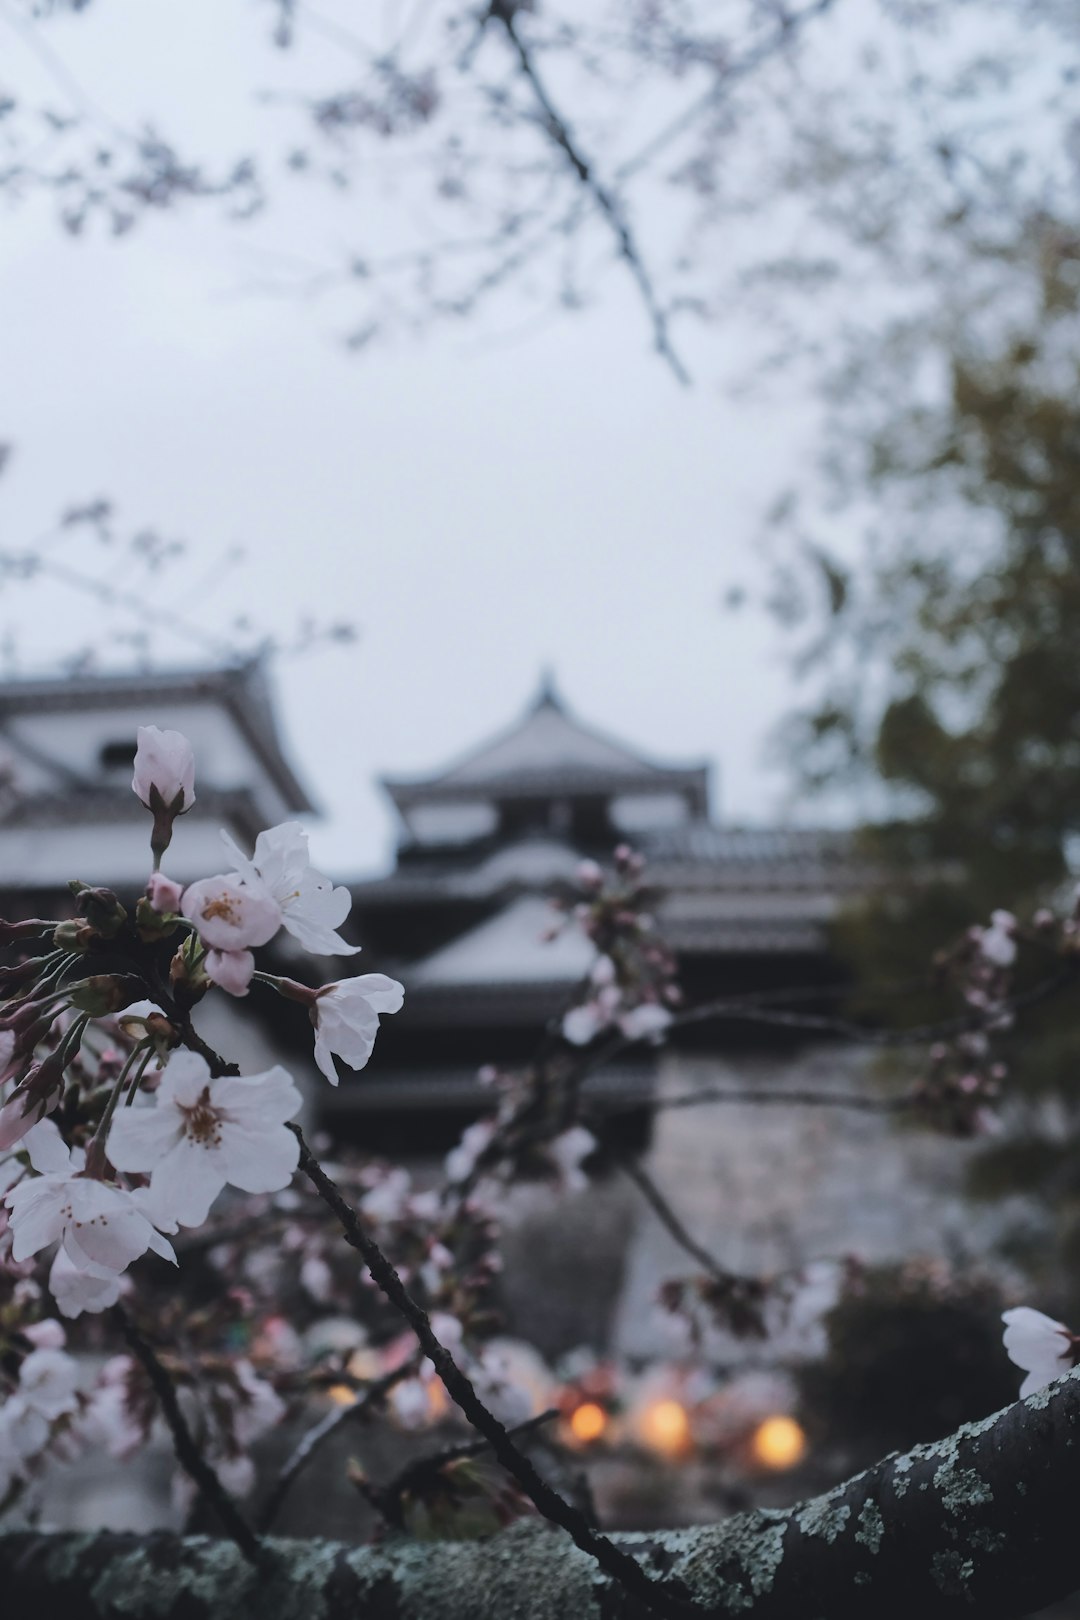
(465, 919)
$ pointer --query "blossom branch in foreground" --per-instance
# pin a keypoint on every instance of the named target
(616, 1563)
(187, 1450)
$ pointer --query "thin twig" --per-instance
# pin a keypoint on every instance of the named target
(789, 25)
(317, 1436)
(744, 1010)
(556, 128)
(668, 1218)
(610, 1558)
(188, 1454)
(386, 1499)
(603, 1108)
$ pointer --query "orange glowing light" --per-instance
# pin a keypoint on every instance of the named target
(779, 1443)
(588, 1422)
(665, 1427)
(438, 1399)
(342, 1394)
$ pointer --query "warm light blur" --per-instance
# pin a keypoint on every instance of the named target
(588, 1422)
(778, 1443)
(438, 1399)
(365, 1364)
(665, 1427)
(343, 1394)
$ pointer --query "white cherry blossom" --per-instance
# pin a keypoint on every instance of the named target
(646, 1020)
(311, 908)
(569, 1152)
(165, 764)
(46, 1392)
(48, 1382)
(387, 1199)
(100, 1227)
(604, 1010)
(108, 1421)
(1043, 1348)
(76, 1291)
(346, 1019)
(230, 916)
(199, 1134)
(997, 943)
(461, 1160)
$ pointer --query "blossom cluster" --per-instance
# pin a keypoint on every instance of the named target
(631, 987)
(41, 1408)
(120, 1130)
(117, 1129)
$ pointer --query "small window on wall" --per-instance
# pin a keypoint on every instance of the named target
(117, 756)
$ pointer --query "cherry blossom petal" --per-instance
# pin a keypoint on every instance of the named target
(311, 907)
(140, 1136)
(259, 1097)
(230, 970)
(582, 1024)
(386, 995)
(48, 1379)
(258, 1163)
(1039, 1345)
(36, 1216)
(76, 1291)
(230, 916)
(106, 1227)
(186, 1077)
(187, 1180)
(324, 1057)
(647, 1019)
(49, 1153)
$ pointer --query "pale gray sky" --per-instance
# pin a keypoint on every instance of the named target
(483, 501)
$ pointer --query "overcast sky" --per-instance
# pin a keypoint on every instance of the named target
(527, 490)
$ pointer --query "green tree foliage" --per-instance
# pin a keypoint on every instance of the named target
(950, 660)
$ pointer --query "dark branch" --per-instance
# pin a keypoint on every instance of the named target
(608, 204)
(417, 1475)
(616, 1563)
(317, 1436)
(188, 1454)
(667, 1217)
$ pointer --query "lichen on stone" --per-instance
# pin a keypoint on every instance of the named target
(825, 1516)
(952, 1573)
(871, 1526)
(960, 1488)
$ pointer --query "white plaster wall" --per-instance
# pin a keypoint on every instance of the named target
(774, 1188)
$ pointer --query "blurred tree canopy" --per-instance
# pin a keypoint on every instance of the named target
(948, 655)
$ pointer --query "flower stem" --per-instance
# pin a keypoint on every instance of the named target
(95, 1152)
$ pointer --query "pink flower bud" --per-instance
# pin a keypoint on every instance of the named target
(230, 970)
(20, 1114)
(163, 893)
(165, 767)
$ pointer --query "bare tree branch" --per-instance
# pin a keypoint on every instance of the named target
(608, 204)
(616, 1563)
(188, 1453)
(317, 1436)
